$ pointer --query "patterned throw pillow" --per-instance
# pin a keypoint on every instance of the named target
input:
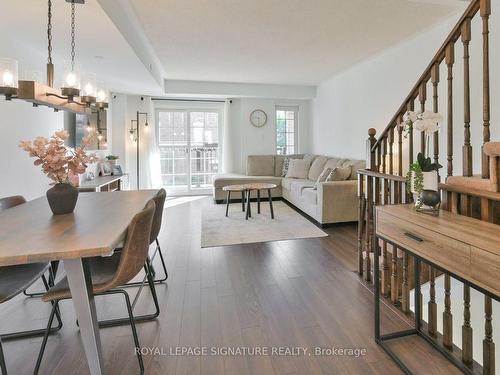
(339, 174)
(284, 170)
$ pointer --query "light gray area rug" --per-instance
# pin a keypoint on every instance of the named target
(219, 230)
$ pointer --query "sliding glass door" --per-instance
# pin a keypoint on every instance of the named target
(189, 149)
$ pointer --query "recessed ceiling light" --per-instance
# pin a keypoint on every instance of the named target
(99, 57)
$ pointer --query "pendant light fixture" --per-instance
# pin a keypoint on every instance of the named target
(74, 96)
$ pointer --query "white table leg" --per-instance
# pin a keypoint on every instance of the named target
(80, 285)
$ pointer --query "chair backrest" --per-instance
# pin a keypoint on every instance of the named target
(134, 253)
(9, 202)
(159, 200)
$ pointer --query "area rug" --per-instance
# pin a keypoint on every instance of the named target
(219, 230)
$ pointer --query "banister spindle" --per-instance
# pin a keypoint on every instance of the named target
(411, 107)
(485, 11)
(371, 164)
(488, 344)
(405, 288)
(432, 306)
(422, 97)
(450, 60)
(467, 148)
(391, 151)
(435, 107)
(467, 329)
(400, 146)
(447, 316)
(361, 221)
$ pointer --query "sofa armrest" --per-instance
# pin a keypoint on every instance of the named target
(338, 201)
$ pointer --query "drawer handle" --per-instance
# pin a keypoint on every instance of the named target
(413, 237)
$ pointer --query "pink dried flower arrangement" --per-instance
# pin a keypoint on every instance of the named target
(58, 162)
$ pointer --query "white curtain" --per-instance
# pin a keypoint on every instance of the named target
(227, 152)
(150, 166)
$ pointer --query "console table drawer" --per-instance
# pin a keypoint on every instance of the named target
(424, 242)
(485, 267)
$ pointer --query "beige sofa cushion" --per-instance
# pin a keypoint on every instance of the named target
(339, 174)
(298, 168)
(355, 165)
(297, 186)
(278, 162)
(310, 195)
(317, 166)
(332, 163)
(260, 165)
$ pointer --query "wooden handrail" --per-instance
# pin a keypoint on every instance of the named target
(490, 195)
(367, 172)
(438, 58)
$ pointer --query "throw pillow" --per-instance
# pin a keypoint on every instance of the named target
(298, 168)
(286, 163)
(322, 177)
(339, 174)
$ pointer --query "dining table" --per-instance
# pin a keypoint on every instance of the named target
(31, 233)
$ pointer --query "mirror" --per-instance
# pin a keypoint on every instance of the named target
(78, 125)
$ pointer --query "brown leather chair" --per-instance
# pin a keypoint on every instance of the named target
(15, 279)
(159, 200)
(108, 273)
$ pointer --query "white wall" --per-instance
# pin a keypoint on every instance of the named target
(368, 94)
(20, 121)
(249, 140)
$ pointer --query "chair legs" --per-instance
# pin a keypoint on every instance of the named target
(140, 318)
(37, 332)
(156, 281)
(52, 277)
(130, 320)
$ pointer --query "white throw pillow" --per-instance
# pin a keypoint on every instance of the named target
(322, 177)
(298, 168)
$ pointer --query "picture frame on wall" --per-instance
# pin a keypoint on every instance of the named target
(105, 168)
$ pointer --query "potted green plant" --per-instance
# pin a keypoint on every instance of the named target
(422, 177)
(112, 160)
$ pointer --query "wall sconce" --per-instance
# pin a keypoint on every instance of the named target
(8, 77)
(134, 136)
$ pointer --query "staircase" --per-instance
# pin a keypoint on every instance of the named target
(471, 193)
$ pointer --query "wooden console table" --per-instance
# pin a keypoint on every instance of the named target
(104, 183)
(464, 248)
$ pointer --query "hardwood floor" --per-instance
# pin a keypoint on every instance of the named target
(300, 293)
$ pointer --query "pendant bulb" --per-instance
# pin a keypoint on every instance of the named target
(50, 75)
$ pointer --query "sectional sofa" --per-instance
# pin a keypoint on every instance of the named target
(326, 202)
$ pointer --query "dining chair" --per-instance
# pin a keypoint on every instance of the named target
(109, 273)
(15, 279)
(159, 200)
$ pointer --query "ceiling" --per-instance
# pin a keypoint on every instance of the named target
(100, 47)
(279, 41)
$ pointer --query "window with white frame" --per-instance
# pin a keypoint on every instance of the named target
(286, 129)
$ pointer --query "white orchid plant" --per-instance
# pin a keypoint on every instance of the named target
(427, 122)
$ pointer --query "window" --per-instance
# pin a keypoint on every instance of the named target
(286, 130)
(189, 148)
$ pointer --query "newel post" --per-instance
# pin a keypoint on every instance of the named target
(370, 154)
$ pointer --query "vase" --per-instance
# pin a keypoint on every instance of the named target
(62, 198)
(430, 180)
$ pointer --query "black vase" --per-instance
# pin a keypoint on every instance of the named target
(62, 198)
(430, 198)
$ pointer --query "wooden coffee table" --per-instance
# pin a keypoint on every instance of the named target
(245, 190)
(235, 189)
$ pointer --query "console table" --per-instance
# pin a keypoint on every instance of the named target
(464, 248)
(103, 183)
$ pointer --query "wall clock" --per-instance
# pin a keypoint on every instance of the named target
(258, 118)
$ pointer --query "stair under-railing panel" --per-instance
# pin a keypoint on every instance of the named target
(383, 182)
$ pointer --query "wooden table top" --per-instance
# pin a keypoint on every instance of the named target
(250, 186)
(30, 233)
(472, 231)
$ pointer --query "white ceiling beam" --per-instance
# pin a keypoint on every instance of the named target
(123, 15)
(238, 90)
